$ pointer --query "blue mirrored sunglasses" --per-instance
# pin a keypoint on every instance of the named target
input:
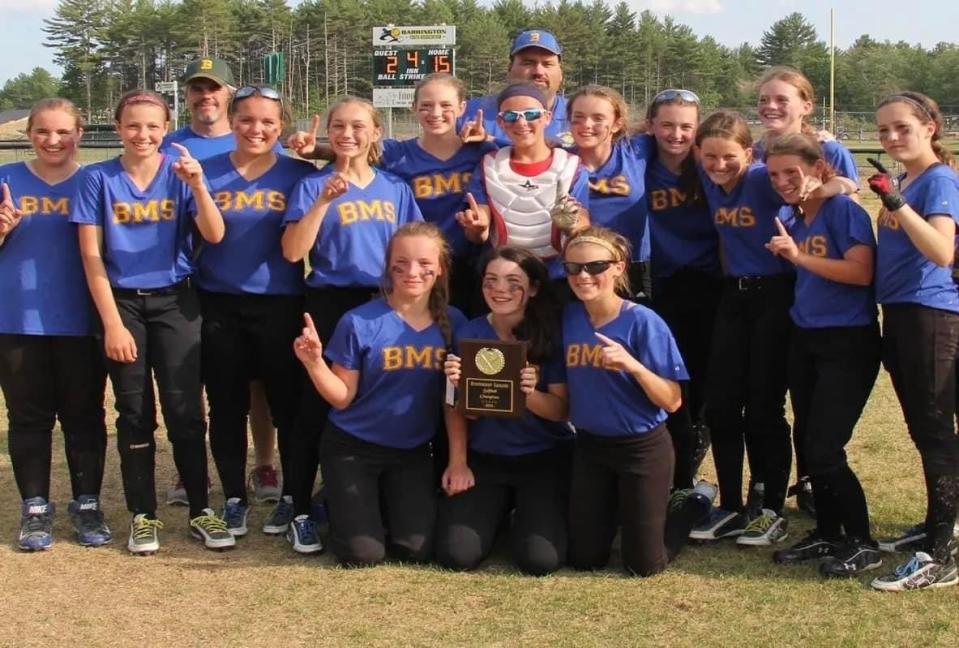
(674, 93)
(530, 114)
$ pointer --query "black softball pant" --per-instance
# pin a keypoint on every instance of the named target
(831, 374)
(50, 377)
(919, 348)
(626, 479)
(326, 306)
(746, 387)
(534, 487)
(687, 302)
(249, 337)
(362, 483)
(165, 324)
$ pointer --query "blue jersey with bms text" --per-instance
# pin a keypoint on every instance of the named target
(439, 186)
(350, 248)
(839, 225)
(745, 220)
(519, 436)
(903, 273)
(612, 403)
(681, 235)
(249, 259)
(43, 288)
(147, 233)
(401, 384)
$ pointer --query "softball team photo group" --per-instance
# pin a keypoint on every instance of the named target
(672, 278)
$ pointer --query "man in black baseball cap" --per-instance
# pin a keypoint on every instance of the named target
(535, 57)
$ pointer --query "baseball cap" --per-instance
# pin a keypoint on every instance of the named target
(536, 38)
(209, 68)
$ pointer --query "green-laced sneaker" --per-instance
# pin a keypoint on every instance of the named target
(765, 529)
(211, 529)
(144, 535)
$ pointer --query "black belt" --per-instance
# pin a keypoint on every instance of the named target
(748, 283)
(150, 292)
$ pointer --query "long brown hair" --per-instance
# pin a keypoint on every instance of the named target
(55, 103)
(796, 79)
(376, 151)
(439, 299)
(620, 109)
(725, 124)
(927, 111)
(540, 324)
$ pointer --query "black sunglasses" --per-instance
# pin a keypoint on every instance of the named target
(591, 267)
(674, 93)
(262, 91)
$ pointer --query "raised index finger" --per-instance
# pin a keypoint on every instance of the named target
(7, 198)
(308, 321)
(182, 150)
(472, 201)
(876, 163)
(781, 227)
(479, 117)
(605, 340)
(315, 125)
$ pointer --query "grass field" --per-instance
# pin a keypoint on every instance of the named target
(261, 593)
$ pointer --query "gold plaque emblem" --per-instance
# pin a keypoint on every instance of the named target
(206, 64)
(490, 361)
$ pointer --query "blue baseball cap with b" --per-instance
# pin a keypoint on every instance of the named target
(536, 38)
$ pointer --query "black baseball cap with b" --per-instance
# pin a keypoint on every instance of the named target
(214, 69)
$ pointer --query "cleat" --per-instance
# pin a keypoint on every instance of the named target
(718, 524)
(235, 513)
(852, 559)
(88, 522)
(144, 535)
(763, 530)
(36, 525)
(280, 517)
(919, 572)
(303, 535)
(811, 547)
(265, 484)
(211, 529)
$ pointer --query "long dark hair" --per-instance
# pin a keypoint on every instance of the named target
(540, 324)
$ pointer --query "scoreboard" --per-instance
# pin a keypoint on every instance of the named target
(397, 68)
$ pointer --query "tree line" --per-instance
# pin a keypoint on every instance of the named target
(108, 46)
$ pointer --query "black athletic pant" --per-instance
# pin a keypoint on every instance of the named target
(535, 487)
(326, 306)
(165, 324)
(361, 482)
(50, 377)
(746, 387)
(919, 350)
(625, 479)
(831, 374)
(249, 337)
(687, 302)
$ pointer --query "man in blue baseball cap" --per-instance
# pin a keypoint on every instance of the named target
(535, 57)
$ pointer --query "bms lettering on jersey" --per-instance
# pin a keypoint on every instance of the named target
(584, 355)
(44, 206)
(260, 200)
(735, 217)
(441, 184)
(662, 199)
(814, 245)
(616, 185)
(887, 219)
(352, 211)
(411, 357)
(151, 211)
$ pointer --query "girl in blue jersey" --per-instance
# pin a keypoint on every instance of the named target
(746, 385)
(385, 383)
(920, 314)
(251, 298)
(786, 99)
(51, 366)
(616, 166)
(343, 217)
(136, 214)
(833, 352)
(520, 464)
(437, 165)
(623, 370)
(686, 279)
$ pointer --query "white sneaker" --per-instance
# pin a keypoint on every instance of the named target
(765, 529)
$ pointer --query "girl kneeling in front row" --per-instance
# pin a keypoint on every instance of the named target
(385, 384)
(623, 368)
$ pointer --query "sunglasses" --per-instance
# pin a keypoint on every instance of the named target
(261, 91)
(591, 267)
(673, 94)
(530, 114)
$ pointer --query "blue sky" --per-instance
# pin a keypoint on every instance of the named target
(729, 21)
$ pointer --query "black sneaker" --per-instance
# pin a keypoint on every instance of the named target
(809, 548)
(855, 557)
(802, 491)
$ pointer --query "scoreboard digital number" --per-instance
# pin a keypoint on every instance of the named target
(395, 68)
